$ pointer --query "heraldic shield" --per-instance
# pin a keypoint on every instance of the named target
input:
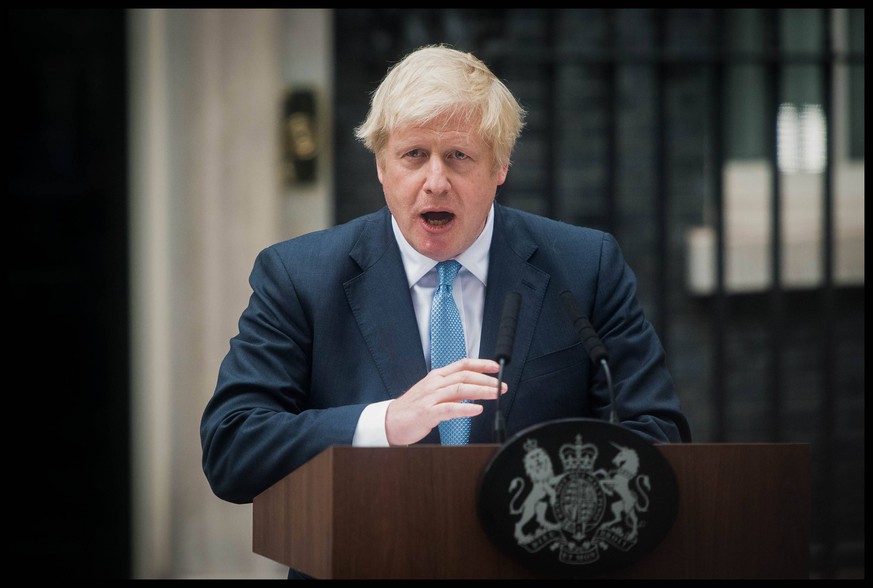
(577, 498)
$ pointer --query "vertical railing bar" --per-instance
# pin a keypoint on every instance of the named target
(825, 512)
(611, 131)
(719, 311)
(776, 299)
(662, 161)
(553, 199)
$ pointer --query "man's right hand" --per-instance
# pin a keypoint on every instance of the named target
(438, 397)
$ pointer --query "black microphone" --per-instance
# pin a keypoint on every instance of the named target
(596, 351)
(506, 333)
(503, 355)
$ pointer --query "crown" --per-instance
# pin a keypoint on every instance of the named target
(578, 456)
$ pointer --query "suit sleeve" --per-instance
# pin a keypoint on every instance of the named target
(258, 426)
(645, 395)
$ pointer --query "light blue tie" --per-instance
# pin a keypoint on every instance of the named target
(447, 343)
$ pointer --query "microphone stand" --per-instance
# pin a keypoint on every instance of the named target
(499, 421)
(503, 353)
(613, 416)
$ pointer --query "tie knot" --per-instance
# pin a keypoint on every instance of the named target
(447, 271)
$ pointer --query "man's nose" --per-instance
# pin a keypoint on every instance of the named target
(437, 181)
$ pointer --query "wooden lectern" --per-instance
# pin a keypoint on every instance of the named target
(410, 512)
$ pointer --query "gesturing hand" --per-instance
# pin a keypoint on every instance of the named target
(437, 397)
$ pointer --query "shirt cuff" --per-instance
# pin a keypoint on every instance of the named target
(370, 431)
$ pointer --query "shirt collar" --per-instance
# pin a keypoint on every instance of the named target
(474, 259)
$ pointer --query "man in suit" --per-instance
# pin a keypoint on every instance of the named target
(334, 346)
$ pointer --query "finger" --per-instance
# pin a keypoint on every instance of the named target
(466, 377)
(444, 377)
(454, 410)
(482, 366)
(469, 391)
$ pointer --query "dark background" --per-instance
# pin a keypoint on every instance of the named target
(67, 280)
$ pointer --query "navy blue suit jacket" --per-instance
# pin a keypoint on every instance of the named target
(330, 328)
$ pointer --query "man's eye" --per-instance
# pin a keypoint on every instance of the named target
(459, 155)
(414, 153)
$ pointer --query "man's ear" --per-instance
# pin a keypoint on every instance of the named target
(379, 170)
(502, 173)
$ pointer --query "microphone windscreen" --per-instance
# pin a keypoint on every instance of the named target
(595, 348)
(508, 321)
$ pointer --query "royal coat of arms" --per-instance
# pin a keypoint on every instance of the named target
(578, 497)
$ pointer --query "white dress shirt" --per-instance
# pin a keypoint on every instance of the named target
(469, 293)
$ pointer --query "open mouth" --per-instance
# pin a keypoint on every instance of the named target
(437, 218)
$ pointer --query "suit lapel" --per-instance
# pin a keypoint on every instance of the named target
(380, 301)
(508, 270)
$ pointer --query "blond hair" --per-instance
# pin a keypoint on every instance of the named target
(435, 81)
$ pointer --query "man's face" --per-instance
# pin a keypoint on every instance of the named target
(439, 182)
